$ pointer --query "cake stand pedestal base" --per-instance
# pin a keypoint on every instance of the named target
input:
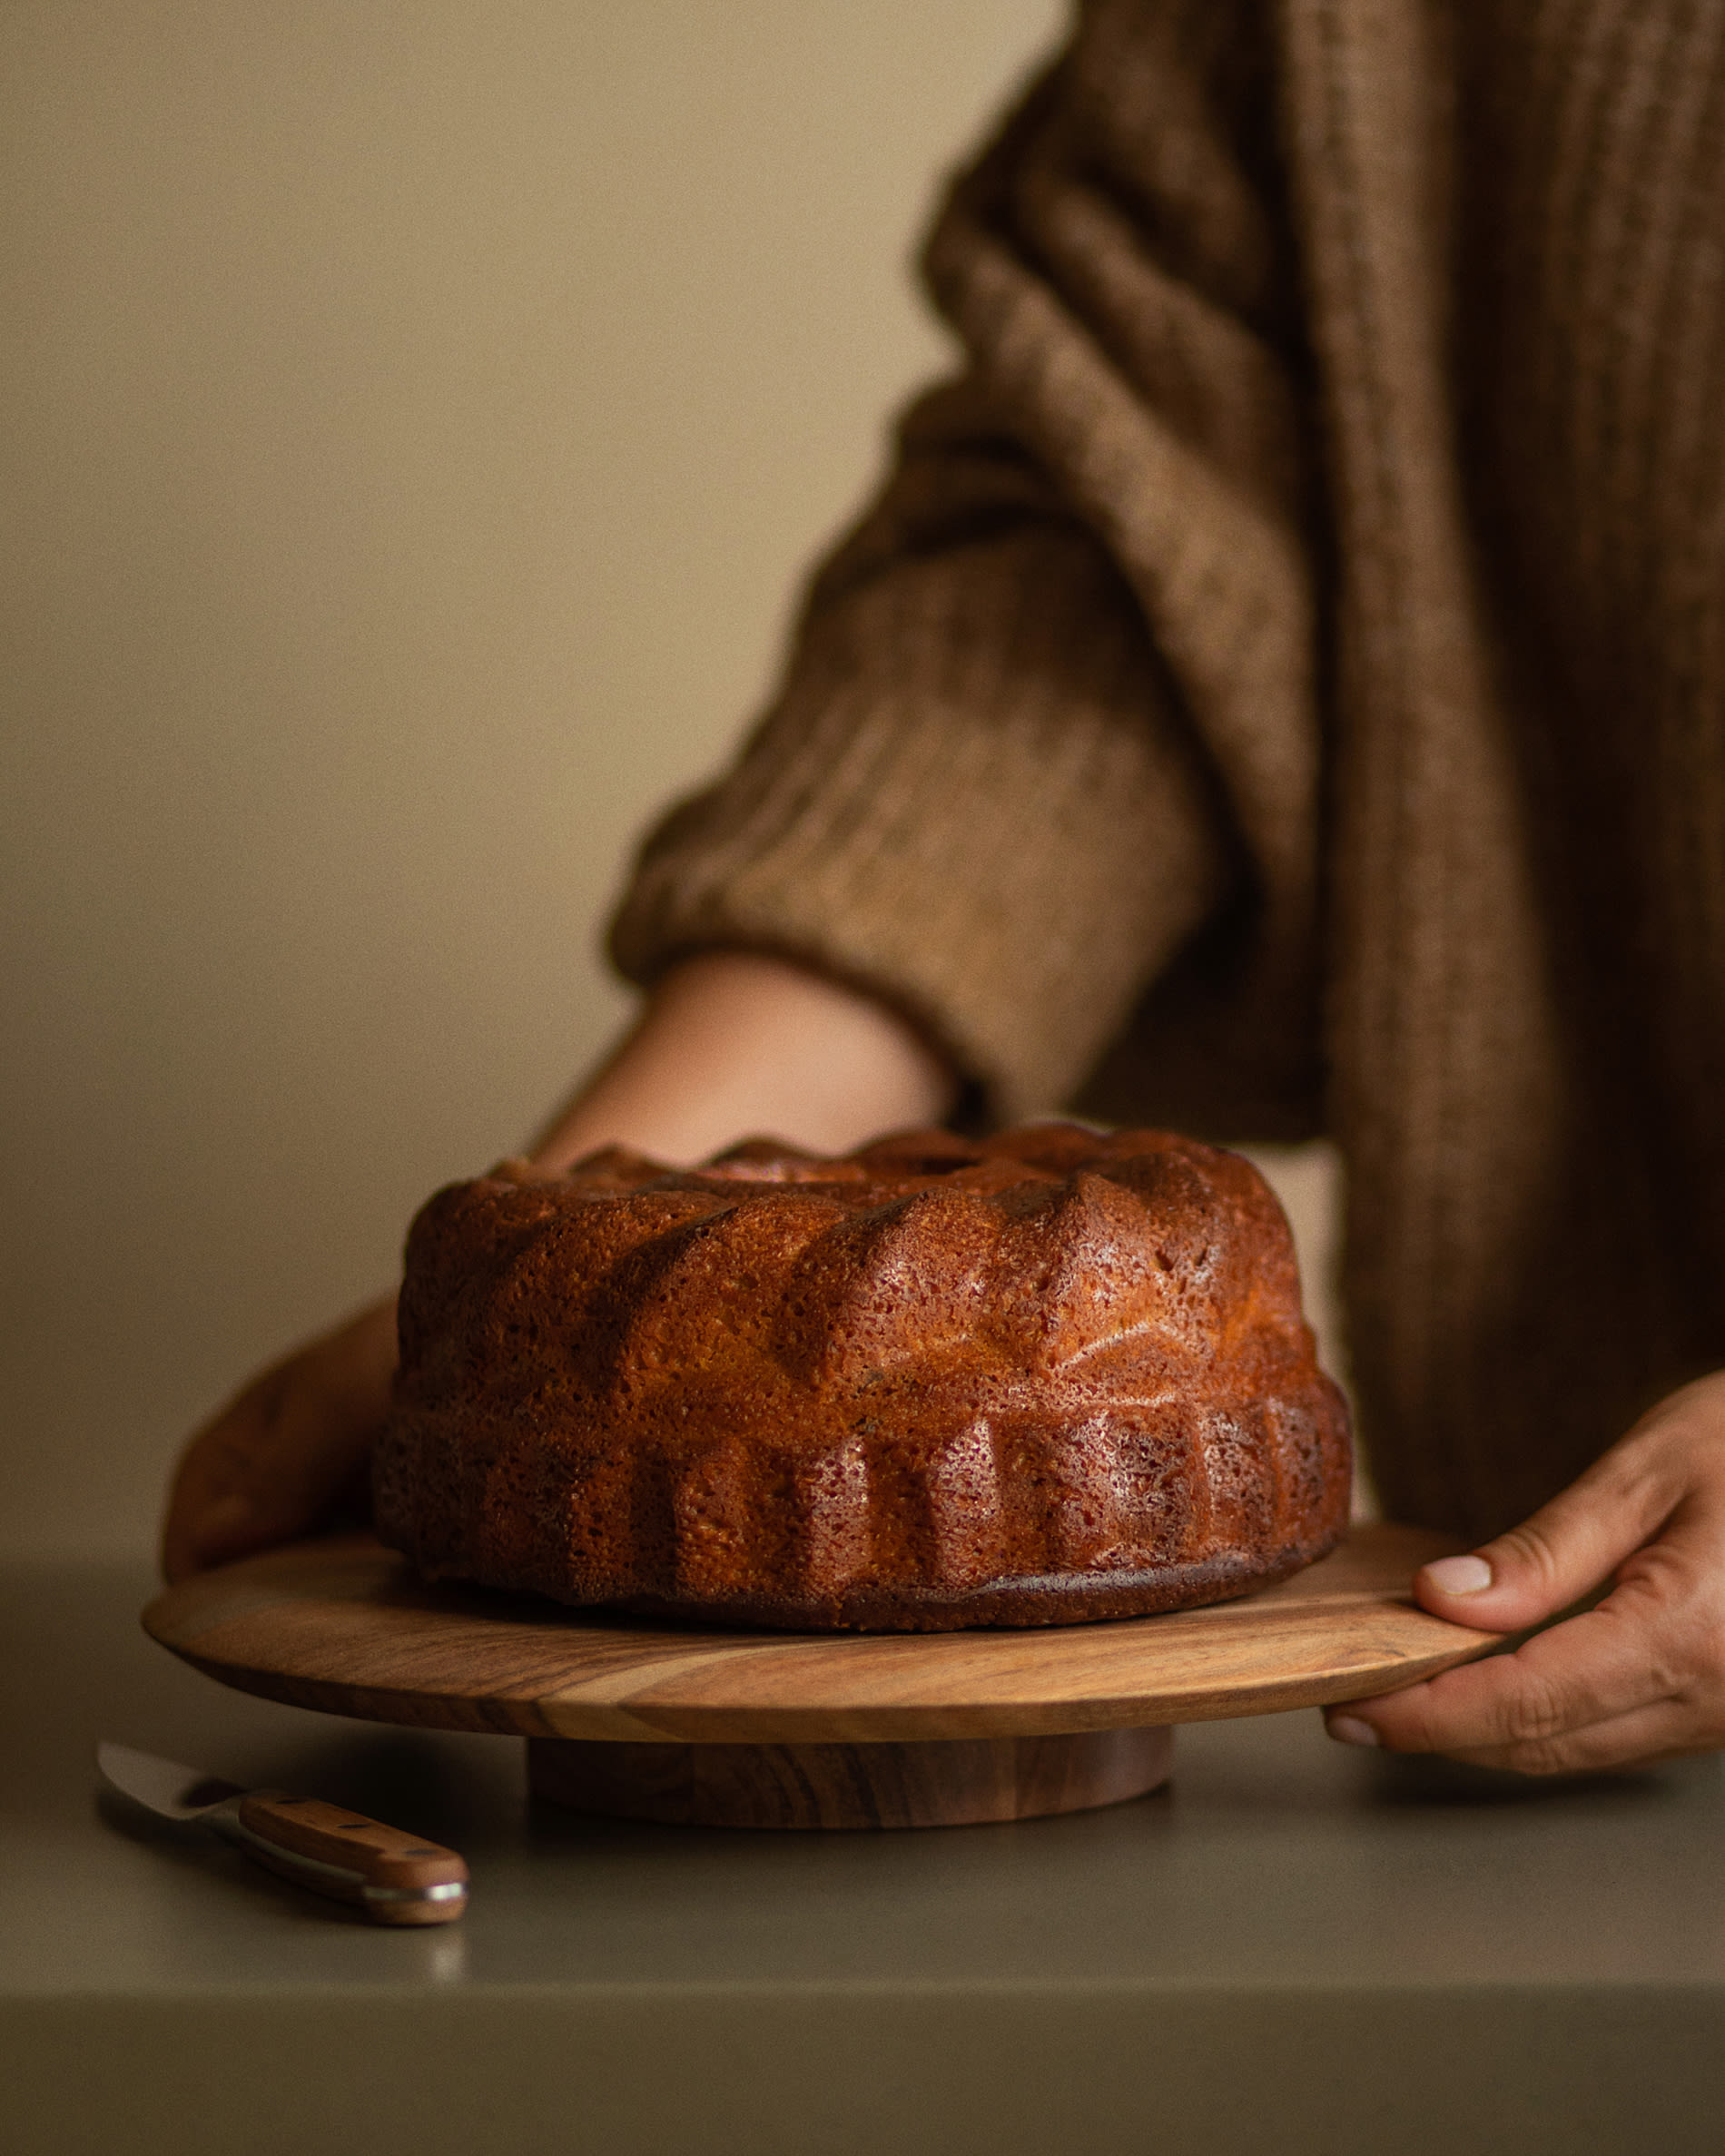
(938, 1782)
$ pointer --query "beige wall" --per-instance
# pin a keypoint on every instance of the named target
(415, 419)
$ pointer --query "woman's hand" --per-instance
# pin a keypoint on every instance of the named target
(277, 1461)
(1639, 1676)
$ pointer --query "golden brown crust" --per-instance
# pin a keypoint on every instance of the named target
(1046, 1378)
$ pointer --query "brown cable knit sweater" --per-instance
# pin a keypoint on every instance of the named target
(1281, 686)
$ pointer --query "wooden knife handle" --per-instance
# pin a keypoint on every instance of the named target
(395, 1877)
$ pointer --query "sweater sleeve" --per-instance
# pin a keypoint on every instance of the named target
(1048, 711)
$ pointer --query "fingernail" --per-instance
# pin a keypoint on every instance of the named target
(1459, 1575)
(1347, 1729)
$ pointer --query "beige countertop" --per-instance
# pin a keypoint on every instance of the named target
(1296, 1946)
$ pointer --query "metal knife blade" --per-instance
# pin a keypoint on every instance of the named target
(165, 1787)
(396, 1878)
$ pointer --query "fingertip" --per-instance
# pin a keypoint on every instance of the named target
(1489, 1589)
(1478, 1591)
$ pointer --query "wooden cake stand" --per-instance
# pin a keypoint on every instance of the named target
(730, 1728)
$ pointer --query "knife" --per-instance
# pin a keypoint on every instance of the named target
(394, 1878)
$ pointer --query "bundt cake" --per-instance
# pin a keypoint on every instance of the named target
(1049, 1377)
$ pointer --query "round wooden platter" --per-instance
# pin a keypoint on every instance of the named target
(805, 1730)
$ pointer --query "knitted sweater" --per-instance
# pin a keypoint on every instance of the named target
(1281, 686)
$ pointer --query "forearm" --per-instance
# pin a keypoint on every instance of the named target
(733, 1045)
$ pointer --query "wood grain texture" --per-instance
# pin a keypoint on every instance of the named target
(950, 1782)
(344, 1625)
